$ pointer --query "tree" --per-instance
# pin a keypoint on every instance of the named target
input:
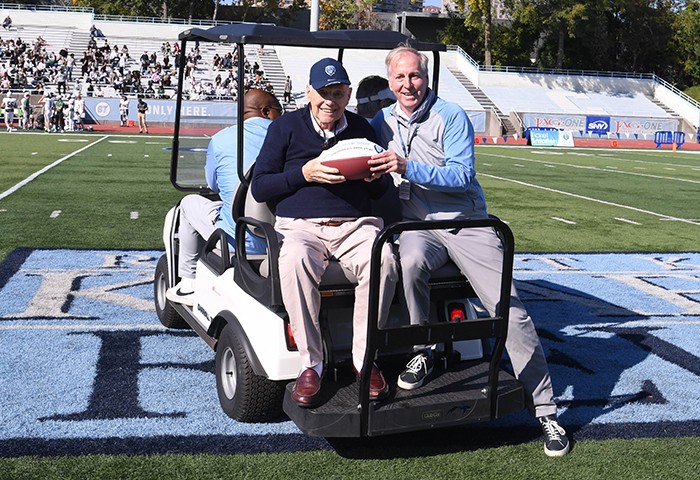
(337, 14)
(477, 16)
(686, 38)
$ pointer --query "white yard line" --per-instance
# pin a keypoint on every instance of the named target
(632, 222)
(561, 192)
(563, 220)
(47, 168)
(550, 164)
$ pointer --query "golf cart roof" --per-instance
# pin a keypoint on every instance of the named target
(264, 34)
(243, 34)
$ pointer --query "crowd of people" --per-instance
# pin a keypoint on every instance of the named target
(105, 70)
(61, 79)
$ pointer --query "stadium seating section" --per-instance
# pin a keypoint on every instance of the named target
(52, 35)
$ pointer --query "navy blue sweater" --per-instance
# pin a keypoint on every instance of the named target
(292, 141)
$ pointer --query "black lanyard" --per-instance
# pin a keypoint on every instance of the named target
(406, 146)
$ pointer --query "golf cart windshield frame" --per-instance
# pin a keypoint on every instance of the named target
(264, 34)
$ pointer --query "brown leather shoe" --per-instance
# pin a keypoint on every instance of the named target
(378, 388)
(306, 388)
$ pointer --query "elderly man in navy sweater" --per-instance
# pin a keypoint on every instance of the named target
(321, 215)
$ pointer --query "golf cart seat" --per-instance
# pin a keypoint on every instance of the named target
(259, 274)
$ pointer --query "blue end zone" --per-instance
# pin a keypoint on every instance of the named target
(87, 368)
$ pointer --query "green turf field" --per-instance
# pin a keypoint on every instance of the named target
(113, 192)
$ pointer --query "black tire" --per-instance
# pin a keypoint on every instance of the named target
(165, 311)
(243, 395)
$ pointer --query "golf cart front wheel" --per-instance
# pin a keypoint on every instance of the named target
(165, 311)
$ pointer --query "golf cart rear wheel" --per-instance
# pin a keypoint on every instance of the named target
(165, 311)
(243, 395)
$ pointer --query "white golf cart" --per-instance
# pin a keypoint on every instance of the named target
(239, 311)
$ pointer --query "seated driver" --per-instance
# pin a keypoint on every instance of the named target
(199, 216)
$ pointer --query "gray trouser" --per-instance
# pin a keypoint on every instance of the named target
(304, 255)
(479, 255)
(197, 222)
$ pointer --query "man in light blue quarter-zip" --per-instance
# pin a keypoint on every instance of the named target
(199, 216)
(430, 145)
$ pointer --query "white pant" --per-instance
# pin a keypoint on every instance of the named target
(197, 222)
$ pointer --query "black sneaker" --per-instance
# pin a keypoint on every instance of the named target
(555, 442)
(417, 370)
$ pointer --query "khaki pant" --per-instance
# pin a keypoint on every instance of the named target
(142, 122)
(306, 249)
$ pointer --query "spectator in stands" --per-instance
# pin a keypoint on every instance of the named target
(70, 63)
(321, 215)
(288, 89)
(7, 23)
(141, 109)
(372, 95)
(95, 32)
(199, 217)
(61, 82)
(5, 83)
(430, 145)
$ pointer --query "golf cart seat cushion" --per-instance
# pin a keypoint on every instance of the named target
(338, 275)
(335, 274)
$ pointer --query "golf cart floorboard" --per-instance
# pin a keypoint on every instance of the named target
(452, 397)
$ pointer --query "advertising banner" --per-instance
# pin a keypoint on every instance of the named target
(549, 137)
(162, 111)
(597, 125)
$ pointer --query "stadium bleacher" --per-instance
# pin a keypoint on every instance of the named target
(513, 93)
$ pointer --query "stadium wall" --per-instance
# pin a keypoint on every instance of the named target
(688, 111)
(20, 18)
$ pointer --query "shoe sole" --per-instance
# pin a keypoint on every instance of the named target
(556, 453)
(177, 299)
(412, 386)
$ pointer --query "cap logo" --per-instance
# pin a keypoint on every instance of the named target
(330, 70)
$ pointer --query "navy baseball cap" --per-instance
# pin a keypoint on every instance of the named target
(327, 71)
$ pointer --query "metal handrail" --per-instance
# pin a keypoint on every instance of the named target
(520, 122)
(45, 8)
(166, 21)
(114, 18)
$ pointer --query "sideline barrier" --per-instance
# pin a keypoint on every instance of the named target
(675, 139)
(549, 137)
